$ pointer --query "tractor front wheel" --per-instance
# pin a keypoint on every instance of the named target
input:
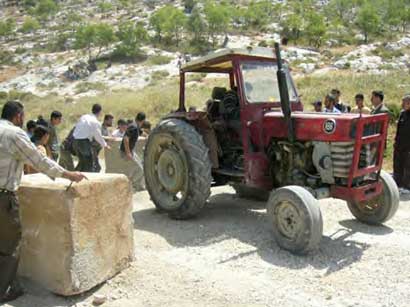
(380, 209)
(177, 169)
(296, 219)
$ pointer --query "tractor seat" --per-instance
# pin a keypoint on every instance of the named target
(212, 105)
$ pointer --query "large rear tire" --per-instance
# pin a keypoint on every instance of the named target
(296, 219)
(177, 169)
(382, 208)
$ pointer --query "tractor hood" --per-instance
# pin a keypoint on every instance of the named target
(325, 127)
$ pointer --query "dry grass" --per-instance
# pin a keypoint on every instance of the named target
(160, 98)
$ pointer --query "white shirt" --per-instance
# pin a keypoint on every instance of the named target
(118, 133)
(88, 127)
(334, 110)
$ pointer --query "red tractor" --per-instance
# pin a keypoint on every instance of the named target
(255, 136)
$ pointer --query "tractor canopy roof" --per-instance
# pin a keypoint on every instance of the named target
(221, 61)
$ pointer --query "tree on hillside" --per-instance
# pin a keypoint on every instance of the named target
(218, 18)
(45, 8)
(368, 20)
(168, 21)
(7, 28)
(258, 14)
(175, 23)
(316, 29)
(94, 36)
(131, 36)
(340, 10)
(196, 26)
(157, 23)
(397, 14)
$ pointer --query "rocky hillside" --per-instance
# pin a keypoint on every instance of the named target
(54, 48)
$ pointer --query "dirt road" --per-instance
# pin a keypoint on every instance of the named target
(227, 257)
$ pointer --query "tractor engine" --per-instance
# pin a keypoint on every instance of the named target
(314, 164)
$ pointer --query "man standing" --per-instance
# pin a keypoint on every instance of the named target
(339, 104)
(121, 128)
(87, 129)
(330, 102)
(16, 150)
(135, 173)
(401, 162)
(107, 123)
(378, 104)
(53, 143)
(360, 107)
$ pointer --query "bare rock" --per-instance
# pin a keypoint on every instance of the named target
(75, 239)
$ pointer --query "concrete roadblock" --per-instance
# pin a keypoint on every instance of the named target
(75, 239)
(117, 164)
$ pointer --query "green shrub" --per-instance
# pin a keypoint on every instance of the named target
(30, 25)
(159, 60)
(387, 54)
(84, 87)
(6, 57)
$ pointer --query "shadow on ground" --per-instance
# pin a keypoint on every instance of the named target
(37, 296)
(227, 217)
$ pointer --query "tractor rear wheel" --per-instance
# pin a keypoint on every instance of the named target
(380, 209)
(296, 219)
(177, 169)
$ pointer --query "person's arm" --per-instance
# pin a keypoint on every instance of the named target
(29, 154)
(127, 149)
(98, 136)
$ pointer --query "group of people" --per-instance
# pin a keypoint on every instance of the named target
(17, 150)
(401, 160)
(38, 150)
(333, 104)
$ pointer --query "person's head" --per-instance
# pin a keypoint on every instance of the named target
(13, 111)
(359, 99)
(130, 122)
(56, 118)
(31, 125)
(122, 125)
(377, 98)
(317, 106)
(41, 121)
(108, 118)
(336, 93)
(41, 135)
(146, 127)
(330, 101)
(140, 118)
(96, 109)
(406, 102)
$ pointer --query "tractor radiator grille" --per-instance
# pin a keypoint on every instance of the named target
(342, 157)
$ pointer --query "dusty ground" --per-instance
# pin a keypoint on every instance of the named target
(227, 257)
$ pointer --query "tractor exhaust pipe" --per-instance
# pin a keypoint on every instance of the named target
(284, 94)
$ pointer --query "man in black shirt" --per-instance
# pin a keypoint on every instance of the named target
(136, 174)
(401, 163)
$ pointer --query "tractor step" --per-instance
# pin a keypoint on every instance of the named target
(229, 172)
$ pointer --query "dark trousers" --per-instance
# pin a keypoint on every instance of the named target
(86, 155)
(401, 168)
(10, 237)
